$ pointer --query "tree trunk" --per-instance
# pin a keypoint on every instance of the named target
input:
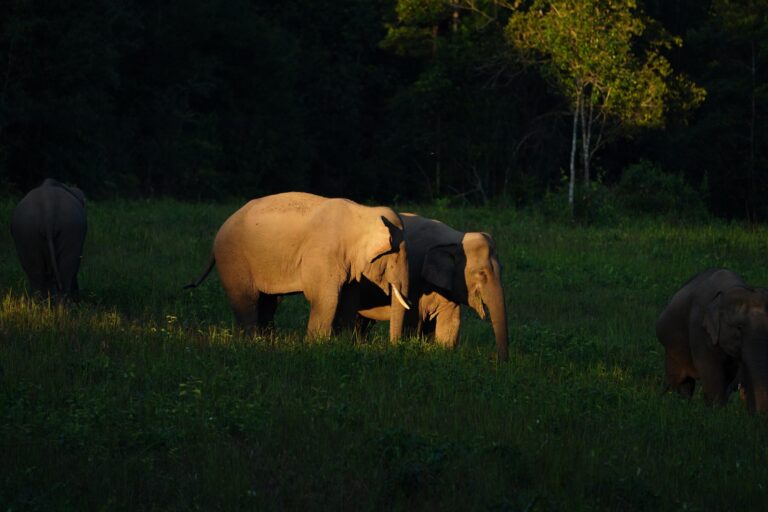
(572, 181)
(586, 136)
(752, 120)
(438, 156)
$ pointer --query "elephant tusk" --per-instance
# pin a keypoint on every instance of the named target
(400, 297)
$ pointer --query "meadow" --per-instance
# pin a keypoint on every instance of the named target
(144, 396)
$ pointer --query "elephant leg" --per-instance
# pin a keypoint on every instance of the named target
(679, 372)
(42, 284)
(245, 308)
(448, 325)
(69, 265)
(733, 376)
(32, 257)
(713, 381)
(714, 386)
(242, 293)
(322, 310)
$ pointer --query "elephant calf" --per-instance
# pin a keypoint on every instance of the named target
(715, 330)
(448, 268)
(48, 227)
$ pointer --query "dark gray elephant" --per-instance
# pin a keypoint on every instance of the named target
(48, 227)
(447, 269)
(715, 330)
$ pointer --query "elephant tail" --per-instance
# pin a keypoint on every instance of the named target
(211, 263)
(51, 247)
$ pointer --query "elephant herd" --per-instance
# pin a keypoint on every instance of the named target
(358, 264)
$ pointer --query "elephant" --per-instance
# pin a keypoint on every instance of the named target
(297, 242)
(715, 330)
(48, 227)
(448, 268)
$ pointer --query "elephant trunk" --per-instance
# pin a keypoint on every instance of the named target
(396, 275)
(396, 315)
(757, 391)
(755, 362)
(493, 297)
(761, 399)
(756, 394)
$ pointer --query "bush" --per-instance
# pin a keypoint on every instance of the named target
(645, 188)
(594, 204)
(554, 207)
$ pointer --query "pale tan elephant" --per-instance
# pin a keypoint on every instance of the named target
(448, 268)
(302, 243)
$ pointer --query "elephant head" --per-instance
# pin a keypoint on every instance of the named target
(471, 274)
(736, 321)
(386, 265)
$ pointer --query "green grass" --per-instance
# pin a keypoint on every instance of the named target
(143, 396)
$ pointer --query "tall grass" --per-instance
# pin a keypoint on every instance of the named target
(144, 396)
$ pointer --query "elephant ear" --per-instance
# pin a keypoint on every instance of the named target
(711, 320)
(385, 240)
(440, 265)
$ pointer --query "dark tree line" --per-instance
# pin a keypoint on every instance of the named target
(371, 99)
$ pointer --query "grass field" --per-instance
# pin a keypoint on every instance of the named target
(143, 396)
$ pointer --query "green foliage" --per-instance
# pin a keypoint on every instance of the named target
(422, 12)
(553, 207)
(645, 188)
(590, 49)
(381, 99)
(143, 396)
(594, 204)
(415, 30)
(727, 50)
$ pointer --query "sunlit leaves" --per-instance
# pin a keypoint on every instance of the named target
(415, 30)
(597, 47)
(423, 12)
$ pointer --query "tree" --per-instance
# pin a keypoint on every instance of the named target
(739, 29)
(464, 115)
(416, 33)
(606, 57)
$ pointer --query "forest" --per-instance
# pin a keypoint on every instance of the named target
(511, 101)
